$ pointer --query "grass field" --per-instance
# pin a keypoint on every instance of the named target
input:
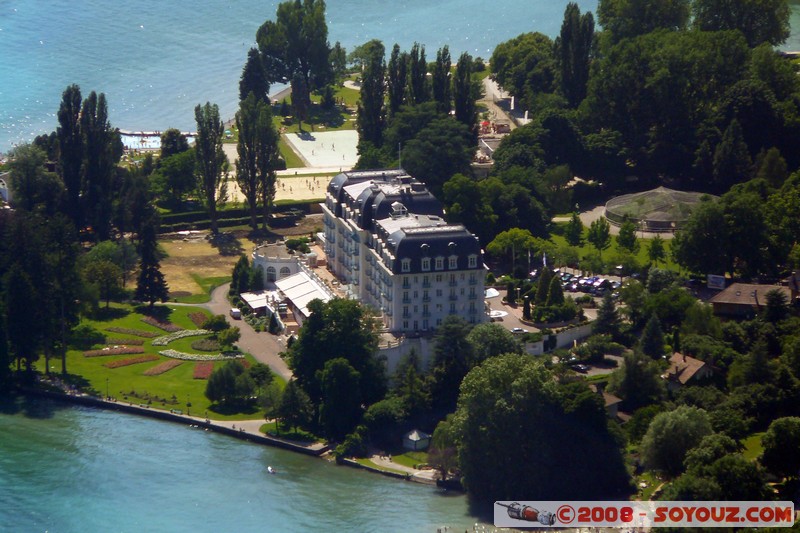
(641, 255)
(171, 390)
(411, 458)
(753, 447)
(367, 462)
(290, 156)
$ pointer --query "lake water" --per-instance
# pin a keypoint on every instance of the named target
(156, 60)
(73, 469)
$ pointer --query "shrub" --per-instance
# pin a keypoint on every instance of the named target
(215, 323)
(85, 336)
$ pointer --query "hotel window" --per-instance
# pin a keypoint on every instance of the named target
(405, 324)
(452, 309)
(453, 262)
(426, 264)
(438, 278)
(406, 265)
(439, 292)
(439, 263)
(473, 261)
(438, 321)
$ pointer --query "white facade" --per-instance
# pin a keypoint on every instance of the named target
(386, 241)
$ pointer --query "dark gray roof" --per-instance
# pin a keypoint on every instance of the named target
(434, 241)
(340, 181)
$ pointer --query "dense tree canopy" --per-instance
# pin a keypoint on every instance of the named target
(294, 48)
(504, 406)
(759, 21)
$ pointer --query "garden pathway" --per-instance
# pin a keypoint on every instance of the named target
(264, 347)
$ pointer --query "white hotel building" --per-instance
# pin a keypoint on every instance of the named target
(388, 244)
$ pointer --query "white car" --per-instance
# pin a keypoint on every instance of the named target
(519, 330)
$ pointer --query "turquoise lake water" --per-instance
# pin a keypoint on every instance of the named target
(156, 60)
(67, 469)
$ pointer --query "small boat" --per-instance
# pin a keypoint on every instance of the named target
(271, 470)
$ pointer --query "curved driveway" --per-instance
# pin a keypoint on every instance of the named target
(264, 347)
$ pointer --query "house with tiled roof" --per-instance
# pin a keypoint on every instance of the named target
(745, 299)
(686, 370)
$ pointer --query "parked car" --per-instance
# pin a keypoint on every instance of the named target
(519, 330)
(236, 314)
(580, 368)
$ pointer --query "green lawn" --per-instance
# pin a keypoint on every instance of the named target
(292, 159)
(207, 285)
(411, 458)
(652, 484)
(641, 255)
(367, 462)
(753, 447)
(170, 390)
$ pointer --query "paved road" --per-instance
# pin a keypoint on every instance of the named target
(264, 347)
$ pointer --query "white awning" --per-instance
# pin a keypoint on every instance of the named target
(300, 289)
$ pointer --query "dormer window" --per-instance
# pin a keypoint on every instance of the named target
(453, 263)
(473, 261)
(426, 264)
(405, 265)
(440, 263)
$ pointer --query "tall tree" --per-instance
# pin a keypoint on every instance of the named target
(627, 236)
(338, 61)
(655, 251)
(671, 435)
(173, 141)
(452, 359)
(24, 334)
(101, 154)
(760, 21)
(211, 160)
(652, 341)
(295, 408)
(295, 49)
(440, 80)
(731, 158)
(397, 74)
(574, 52)
(31, 185)
(418, 89)
(254, 78)
(629, 18)
(497, 399)
(370, 120)
(574, 230)
(257, 149)
(638, 382)
(465, 92)
(106, 276)
(340, 409)
(599, 234)
(70, 143)
(782, 447)
(151, 285)
(607, 318)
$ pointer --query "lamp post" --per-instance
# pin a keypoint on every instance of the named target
(188, 406)
(107, 395)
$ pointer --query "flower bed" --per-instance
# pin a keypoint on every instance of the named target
(245, 363)
(166, 339)
(203, 370)
(175, 354)
(166, 326)
(198, 318)
(159, 369)
(129, 331)
(126, 342)
(115, 350)
(206, 345)
(131, 361)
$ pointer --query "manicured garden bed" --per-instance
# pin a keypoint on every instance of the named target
(160, 368)
(119, 350)
(203, 370)
(131, 361)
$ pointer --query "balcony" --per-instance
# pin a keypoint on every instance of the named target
(453, 283)
(426, 298)
(426, 314)
(453, 297)
(406, 315)
(426, 284)
(473, 281)
(473, 296)
(406, 300)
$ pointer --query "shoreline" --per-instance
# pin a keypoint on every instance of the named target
(316, 450)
